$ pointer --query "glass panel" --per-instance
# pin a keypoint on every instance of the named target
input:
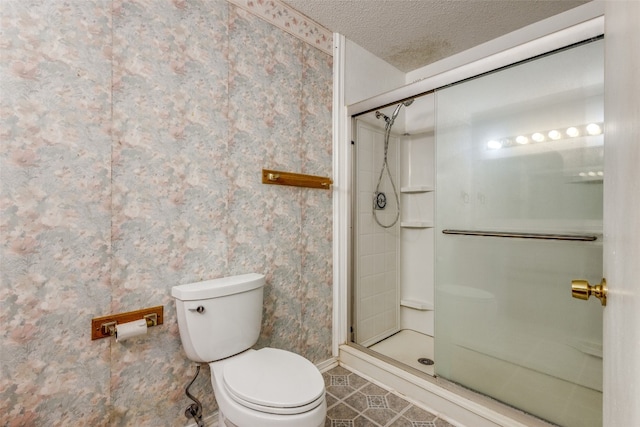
(521, 151)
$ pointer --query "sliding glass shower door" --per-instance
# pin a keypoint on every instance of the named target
(519, 215)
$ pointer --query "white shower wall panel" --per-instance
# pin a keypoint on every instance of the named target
(417, 159)
(417, 285)
(376, 298)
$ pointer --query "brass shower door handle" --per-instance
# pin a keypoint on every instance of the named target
(581, 289)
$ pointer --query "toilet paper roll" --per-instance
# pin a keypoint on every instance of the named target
(124, 331)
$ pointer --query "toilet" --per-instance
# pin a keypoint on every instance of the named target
(219, 321)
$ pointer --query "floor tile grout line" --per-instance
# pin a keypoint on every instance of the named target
(394, 419)
(400, 414)
(361, 413)
(369, 419)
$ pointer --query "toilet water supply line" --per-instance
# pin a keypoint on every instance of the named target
(195, 409)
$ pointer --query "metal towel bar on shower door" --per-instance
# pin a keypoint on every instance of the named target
(542, 236)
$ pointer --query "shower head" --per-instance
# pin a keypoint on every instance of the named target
(390, 120)
(385, 117)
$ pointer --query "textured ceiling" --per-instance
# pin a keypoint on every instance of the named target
(410, 34)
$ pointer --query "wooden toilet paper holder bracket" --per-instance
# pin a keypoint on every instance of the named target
(105, 326)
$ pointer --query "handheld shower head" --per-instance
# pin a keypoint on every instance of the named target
(397, 110)
(389, 120)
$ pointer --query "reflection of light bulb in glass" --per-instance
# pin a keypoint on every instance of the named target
(537, 137)
(573, 132)
(593, 129)
(582, 174)
(522, 139)
(494, 145)
(591, 173)
(600, 173)
(554, 134)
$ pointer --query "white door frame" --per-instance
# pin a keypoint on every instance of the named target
(621, 340)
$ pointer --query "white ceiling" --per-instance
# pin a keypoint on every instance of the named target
(410, 34)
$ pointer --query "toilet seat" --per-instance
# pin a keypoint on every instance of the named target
(274, 381)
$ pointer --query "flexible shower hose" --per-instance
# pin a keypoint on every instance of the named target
(385, 165)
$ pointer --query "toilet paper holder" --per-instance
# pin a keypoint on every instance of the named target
(105, 326)
(109, 328)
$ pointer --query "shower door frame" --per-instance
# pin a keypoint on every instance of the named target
(548, 36)
(571, 27)
(548, 40)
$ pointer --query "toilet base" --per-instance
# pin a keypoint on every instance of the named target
(224, 422)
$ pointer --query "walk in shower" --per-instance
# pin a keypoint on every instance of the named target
(499, 182)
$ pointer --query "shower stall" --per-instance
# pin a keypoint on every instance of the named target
(475, 205)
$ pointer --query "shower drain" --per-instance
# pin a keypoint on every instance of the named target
(426, 361)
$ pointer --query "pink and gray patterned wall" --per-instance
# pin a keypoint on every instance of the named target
(133, 137)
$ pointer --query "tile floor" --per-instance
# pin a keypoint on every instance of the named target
(353, 401)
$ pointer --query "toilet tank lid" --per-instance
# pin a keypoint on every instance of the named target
(218, 287)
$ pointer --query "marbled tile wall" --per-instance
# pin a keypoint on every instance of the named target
(133, 137)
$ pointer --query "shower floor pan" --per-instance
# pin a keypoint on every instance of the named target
(407, 347)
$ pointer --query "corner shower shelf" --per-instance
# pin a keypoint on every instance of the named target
(417, 304)
(416, 224)
(417, 189)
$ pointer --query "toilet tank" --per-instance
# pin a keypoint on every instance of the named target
(221, 317)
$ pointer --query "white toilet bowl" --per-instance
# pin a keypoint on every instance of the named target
(268, 387)
(219, 320)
